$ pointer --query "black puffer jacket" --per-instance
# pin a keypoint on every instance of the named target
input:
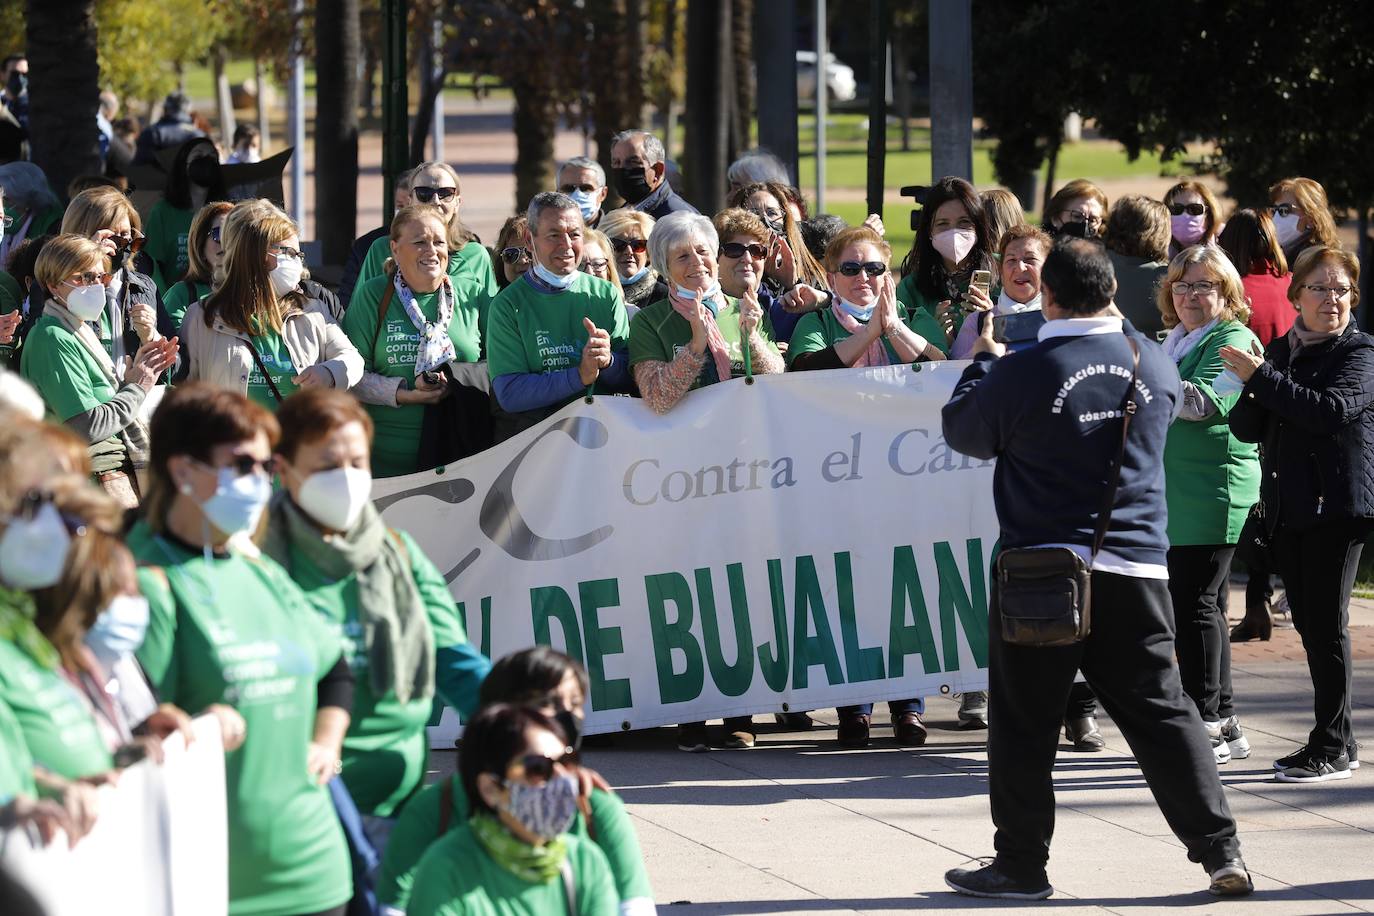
(1315, 421)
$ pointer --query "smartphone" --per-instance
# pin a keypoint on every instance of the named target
(1018, 328)
(981, 279)
(432, 377)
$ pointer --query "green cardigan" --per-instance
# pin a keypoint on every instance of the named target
(1211, 478)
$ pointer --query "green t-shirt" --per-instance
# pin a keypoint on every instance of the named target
(418, 829)
(179, 297)
(277, 359)
(386, 747)
(818, 330)
(168, 229)
(921, 313)
(660, 333)
(16, 766)
(236, 630)
(457, 877)
(58, 726)
(469, 270)
(396, 445)
(70, 381)
(535, 332)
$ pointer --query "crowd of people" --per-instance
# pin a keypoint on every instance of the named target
(164, 372)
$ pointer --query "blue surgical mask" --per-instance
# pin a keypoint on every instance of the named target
(119, 630)
(853, 311)
(239, 501)
(631, 280)
(586, 202)
(712, 296)
(553, 279)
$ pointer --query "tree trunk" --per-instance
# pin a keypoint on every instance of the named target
(260, 95)
(431, 84)
(708, 103)
(609, 74)
(636, 38)
(742, 77)
(224, 97)
(64, 90)
(901, 86)
(666, 110)
(535, 122)
(336, 127)
(367, 90)
(1052, 164)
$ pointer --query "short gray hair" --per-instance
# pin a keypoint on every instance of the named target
(549, 200)
(653, 147)
(25, 186)
(755, 167)
(583, 162)
(674, 231)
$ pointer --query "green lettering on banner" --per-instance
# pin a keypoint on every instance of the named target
(674, 687)
(552, 601)
(730, 680)
(808, 603)
(904, 640)
(774, 667)
(954, 598)
(485, 647)
(861, 664)
(602, 641)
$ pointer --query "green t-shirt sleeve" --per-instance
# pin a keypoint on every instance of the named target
(16, 766)
(505, 349)
(372, 266)
(807, 337)
(615, 834)
(596, 891)
(645, 342)
(925, 324)
(157, 654)
(1210, 365)
(57, 365)
(443, 613)
(416, 830)
(360, 322)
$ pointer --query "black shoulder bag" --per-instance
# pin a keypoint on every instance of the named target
(1045, 593)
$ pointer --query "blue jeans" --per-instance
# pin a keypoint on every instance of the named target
(895, 707)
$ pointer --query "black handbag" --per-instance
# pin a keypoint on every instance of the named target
(1044, 594)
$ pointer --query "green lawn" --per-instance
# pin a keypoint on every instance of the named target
(896, 220)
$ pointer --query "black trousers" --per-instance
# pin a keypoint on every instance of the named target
(1198, 584)
(1082, 702)
(1319, 566)
(1128, 658)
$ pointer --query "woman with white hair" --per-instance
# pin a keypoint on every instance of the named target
(695, 337)
(756, 166)
(27, 195)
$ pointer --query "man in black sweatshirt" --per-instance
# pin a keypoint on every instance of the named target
(1051, 415)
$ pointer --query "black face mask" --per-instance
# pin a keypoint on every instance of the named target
(572, 726)
(202, 171)
(631, 184)
(18, 84)
(1074, 230)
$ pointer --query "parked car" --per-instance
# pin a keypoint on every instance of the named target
(839, 78)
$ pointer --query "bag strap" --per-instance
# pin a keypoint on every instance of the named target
(569, 885)
(276, 393)
(1128, 409)
(381, 316)
(445, 805)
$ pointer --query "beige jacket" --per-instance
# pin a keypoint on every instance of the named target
(221, 355)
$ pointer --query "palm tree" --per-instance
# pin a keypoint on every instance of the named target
(64, 89)
(337, 50)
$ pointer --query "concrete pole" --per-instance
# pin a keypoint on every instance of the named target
(775, 50)
(296, 128)
(437, 130)
(951, 89)
(822, 102)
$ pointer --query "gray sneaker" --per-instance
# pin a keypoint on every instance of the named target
(973, 710)
(1235, 738)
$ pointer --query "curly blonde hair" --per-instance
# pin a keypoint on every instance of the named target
(1221, 271)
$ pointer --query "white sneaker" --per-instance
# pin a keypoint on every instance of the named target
(1235, 738)
(1220, 749)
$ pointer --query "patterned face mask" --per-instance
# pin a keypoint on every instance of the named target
(546, 810)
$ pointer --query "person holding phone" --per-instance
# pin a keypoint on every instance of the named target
(410, 324)
(1016, 314)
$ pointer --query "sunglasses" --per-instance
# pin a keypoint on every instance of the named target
(132, 242)
(537, 766)
(90, 278)
(34, 500)
(738, 250)
(215, 232)
(1190, 209)
(241, 465)
(872, 268)
(584, 188)
(635, 245)
(426, 194)
(1283, 209)
(514, 255)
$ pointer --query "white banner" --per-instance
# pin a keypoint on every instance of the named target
(159, 847)
(805, 541)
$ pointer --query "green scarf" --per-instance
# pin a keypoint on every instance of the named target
(18, 629)
(535, 864)
(397, 636)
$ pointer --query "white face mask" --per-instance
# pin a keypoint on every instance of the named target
(336, 498)
(86, 302)
(119, 630)
(955, 244)
(33, 551)
(286, 276)
(1286, 228)
(586, 202)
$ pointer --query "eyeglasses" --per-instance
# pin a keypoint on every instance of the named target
(738, 249)
(89, 278)
(132, 242)
(426, 194)
(1324, 291)
(282, 251)
(1200, 288)
(242, 465)
(514, 255)
(1078, 216)
(595, 263)
(635, 245)
(872, 268)
(537, 766)
(1283, 209)
(215, 232)
(584, 188)
(34, 500)
(1190, 209)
